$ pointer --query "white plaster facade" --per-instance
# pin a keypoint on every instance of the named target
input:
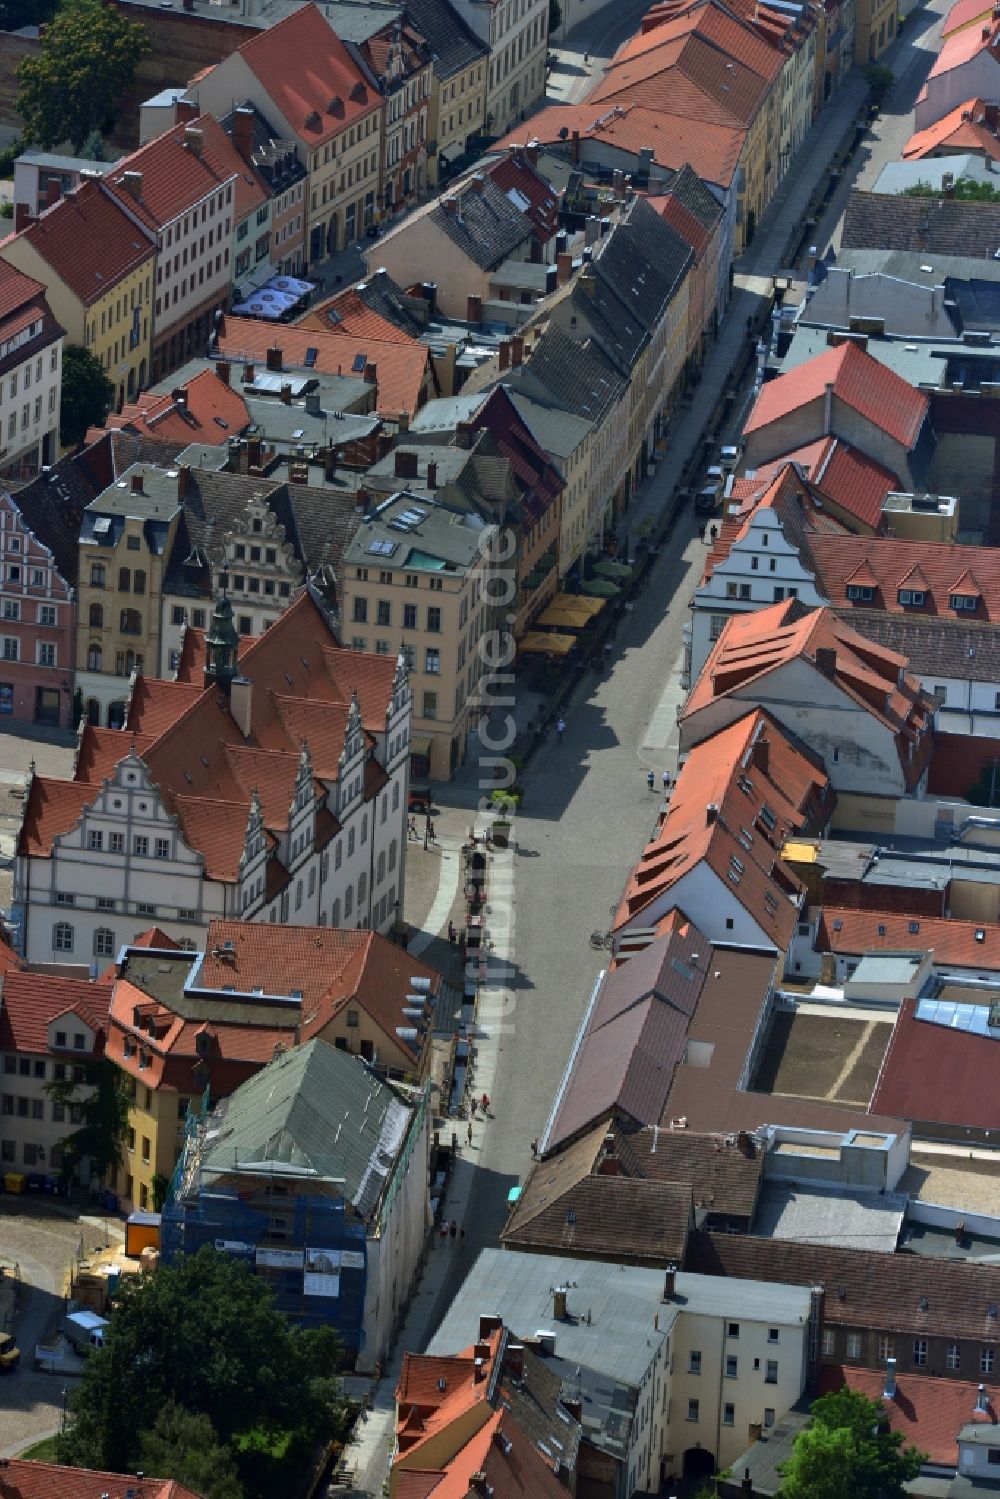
(396, 1250)
(33, 1125)
(29, 400)
(516, 32)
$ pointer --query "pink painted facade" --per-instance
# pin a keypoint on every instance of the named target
(37, 626)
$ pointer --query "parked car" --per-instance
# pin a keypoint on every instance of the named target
(419, 799)
(706, 500)
(85, 1330)
(10, 1354)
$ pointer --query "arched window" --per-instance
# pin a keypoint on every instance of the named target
(62, 937)
(104, 942)
(95, 658)
(97, 616)
(131, 622)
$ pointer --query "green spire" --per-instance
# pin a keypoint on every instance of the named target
(221, 646)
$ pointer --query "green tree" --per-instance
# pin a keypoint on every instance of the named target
(880, 80)
(204, 1334)
(103, 1098)
(93, 148)
(184, 1445)
(88, 57)
(848, 1449)
(86, 394)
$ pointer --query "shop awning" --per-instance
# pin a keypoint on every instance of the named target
(546, 643)
(601, 588)
(569, 611)
(420, 744)
(609, 568)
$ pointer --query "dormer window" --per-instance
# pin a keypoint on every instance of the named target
(963, 602)
(913, 596)
(858, 593)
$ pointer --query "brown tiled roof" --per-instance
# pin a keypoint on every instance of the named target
(890, 561)
(211, 412)
(16, 291)
(963, 129)
(935, 647)
(89, 241)
(939, 226)
(938, 1074)
(32, 1000)
(928, 1413)
(892, 1293)
(725, 1177)
(843, 474)
(966, 944)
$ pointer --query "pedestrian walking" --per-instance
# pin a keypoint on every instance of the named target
(666, 782)
(461, 1233)
(453, 1230)
(560, 728)
(650, 780)
(534, 1150)
(475, 1105)
(713, 532)
(444, 1231)
(701, 531)
(486, 1103)
(432, 835)
(454, 1142)
(411, 828)
(469, 1132)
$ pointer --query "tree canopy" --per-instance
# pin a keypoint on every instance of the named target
(848, 1449)
(103, 1100)
(88, 57)
(185, 1446)
(204, 1336)
(86, 394)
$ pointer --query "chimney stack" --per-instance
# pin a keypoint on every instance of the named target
(240, 697)
(504, 355)
(828, 408)
(406, 464)
(669, 1281)
(286, 393)
(185, 111)
(464, 433)
(248, 374)
(314, 405)
(243, 131)
(194, 139)
(514, 1361)
(183, 479)
(22, 217)
(474, 310)
(762, 754)
(889, 1383)
(826, 660)
(274, 358)
(564, 268)
(559, 1300)
(711, 814)
(516, 351)
(371, 373)
(489, 1323)
(403, 421)
(223, 371)
(432, 474)
(132, 183)
(576, 145)
(982, 1404)
(746, 1485)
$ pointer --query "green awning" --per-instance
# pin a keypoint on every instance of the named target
(609, 568)
(601, 588)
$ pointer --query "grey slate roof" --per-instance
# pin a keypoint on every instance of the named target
(946, 226)
(906, 265)
(487, 226)
(381, 294)
(936, 647)
(454, 45)
(325, 522)
(313, 1110)
(696, 197)
(445, 533)
(558, 432)
(576, 377)
(356, 23)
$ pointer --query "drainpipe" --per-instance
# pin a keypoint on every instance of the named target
(828, 408)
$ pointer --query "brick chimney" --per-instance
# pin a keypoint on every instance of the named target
(183, 479)
(504, 354)
(274, 358)
(564, 268)
(531, 152)
(223, 371)
(432, 474)
(610, 1165)
(762, 754)
(286, 393)
(826, 660)
(669, 1281)
(711, 814)
(185, 111)
(464, 433)
(576, 145)
(516, 351)
(243, 131)
(371, 373)
(474, 310)
(514, 1360)
(489, 1323)
(406, 464)
(248, 374)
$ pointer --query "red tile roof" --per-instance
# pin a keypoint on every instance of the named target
(928, 1413)
(16, 290)
(853, 482)
(680, 132)
(29, 1480)
(680, 218)
(211, 412)
(965, 13)
(963, 129)
(951, 941)
(864, 384)
(515, 175)
(175, 176)
(346, 313)
(402, 365)
(939, 1075)
(31, 1001)
(754, 645)
(194, 757)
(305, 68)
(963, 46)
(89, 241)
(889, 561)
(750, 765)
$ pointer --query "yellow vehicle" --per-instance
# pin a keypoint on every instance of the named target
(15, 1182)
(10, 1354)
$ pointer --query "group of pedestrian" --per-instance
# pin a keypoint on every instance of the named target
(713, 532)
(666, 778)
(452, 1231)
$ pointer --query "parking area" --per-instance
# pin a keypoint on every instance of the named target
(39, 1240)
